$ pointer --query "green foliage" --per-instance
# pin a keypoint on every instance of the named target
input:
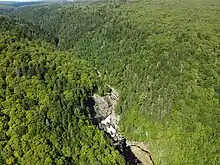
(43, 118)
(24, 29)
(163, 57)
(56, 19)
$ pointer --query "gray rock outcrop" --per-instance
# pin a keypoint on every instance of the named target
(135, 153)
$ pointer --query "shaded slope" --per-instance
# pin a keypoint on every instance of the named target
(59, 20)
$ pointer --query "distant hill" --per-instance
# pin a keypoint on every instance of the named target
(14, 4)
(20, 4)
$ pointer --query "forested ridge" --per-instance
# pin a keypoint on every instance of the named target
(164, 59)
(43, 116)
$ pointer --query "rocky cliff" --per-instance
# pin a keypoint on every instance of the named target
(103, 115)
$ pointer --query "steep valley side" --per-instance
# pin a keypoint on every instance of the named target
(102, 114)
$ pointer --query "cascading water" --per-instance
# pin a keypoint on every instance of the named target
(103, 115)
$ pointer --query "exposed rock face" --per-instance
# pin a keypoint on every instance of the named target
(104, 110)
(104, 106)
(142, 155)
(141, 151)
(103, 115)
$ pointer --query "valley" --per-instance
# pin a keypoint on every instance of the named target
(111, 82)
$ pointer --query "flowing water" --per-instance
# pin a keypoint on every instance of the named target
(102, 114)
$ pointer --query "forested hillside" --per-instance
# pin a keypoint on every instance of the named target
(164, 59)
(25, 29)
(68, 22)
(43, 116)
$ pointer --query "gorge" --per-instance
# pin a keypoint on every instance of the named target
(102, 114)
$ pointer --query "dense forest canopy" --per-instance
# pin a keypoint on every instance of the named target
(164, 59)
(43, 116)
(25, 29)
